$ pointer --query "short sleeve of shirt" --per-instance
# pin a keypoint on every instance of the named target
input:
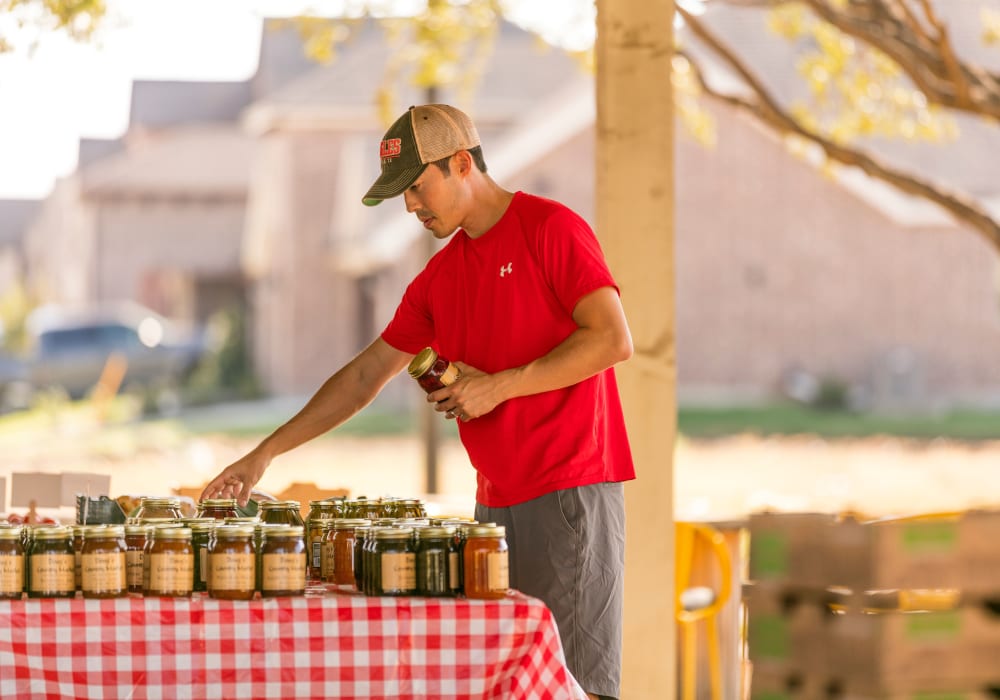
(412, 328)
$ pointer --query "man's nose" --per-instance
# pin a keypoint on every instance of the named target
(410, 200)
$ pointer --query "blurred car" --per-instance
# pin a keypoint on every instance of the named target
(71, 348)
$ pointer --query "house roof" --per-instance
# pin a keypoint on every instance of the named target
(15, 217)
(185, 160)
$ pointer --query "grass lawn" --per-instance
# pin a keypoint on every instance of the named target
(792, 419)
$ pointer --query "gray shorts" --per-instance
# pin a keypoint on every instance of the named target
(568, 549)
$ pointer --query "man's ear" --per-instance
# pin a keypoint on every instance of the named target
(463, 162)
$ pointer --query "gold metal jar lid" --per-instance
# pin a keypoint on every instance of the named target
(10, 533)
(394, 533)
(279, 505)
(284, 531)
(487, 531)
(350, 523)
(431, 532)
(251, 519)
(234, 531)
(52, 533)
(202, 526)
(159, 501)
(218, 503)
(171, 533)
(104, 532)
(137, 530)
(423, 361)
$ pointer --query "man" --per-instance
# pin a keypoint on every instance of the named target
(522, 301)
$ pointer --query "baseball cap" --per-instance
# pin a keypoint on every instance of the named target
(424, 134)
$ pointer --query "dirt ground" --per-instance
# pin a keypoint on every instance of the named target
(714, 480)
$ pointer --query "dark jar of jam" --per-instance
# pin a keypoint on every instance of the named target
(135, 545)
(232, 563)
(169, 563)
(201, 535)
(432, 371)
(11, 563)
(395, 562)
(153, 509)
(485, 559)
(283, 561)
(218, 508)
(52, 563)
(281, 513)
(437, 561)
(103, 567)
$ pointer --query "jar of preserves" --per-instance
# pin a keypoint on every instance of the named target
(320, 512)
(411, 508)
(437, 561)
(395, 562)
(343, 536)
(135, 545)
(158, 508)
(218, 508)
(432, 371)
(281, 513)
(326, 561)
(283, 559)
(11, 564)
(201, 535)
(232, 563)
(78, 534)
(169, 563)
(51, 563)
(362, 535)
(104, 572)
(485, 560)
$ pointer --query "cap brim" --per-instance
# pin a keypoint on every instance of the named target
(391, 185)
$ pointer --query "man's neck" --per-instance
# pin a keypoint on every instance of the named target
(489, 208)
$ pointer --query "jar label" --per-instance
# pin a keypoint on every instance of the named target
(171, 572)
(453, 570)
(11, 573)
(232, 572)
(399, 571)
(103, 572)
(450, 375)
(317, 554)
(284, 572)
(133, 568)
(53, 573)
(203, 565)
(328, 561)
(499, 573)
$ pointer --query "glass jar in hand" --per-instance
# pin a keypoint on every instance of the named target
(432, 371)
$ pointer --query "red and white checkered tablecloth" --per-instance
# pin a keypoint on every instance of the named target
(331, 646)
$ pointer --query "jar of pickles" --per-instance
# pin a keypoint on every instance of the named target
(201, 534)
(51, 563)
(11, 563)
(411, 508)
(169, 563)
(232, 563)
(485, 561)
(283, 560)
(437, 561)
(395, 572)
(158, 508)
(103, 564)
(218, 508)
(281, 513)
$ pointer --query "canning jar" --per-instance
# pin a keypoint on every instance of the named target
(11, 564)
(78, 534)
(169, 561)
(135, 545)
(281, 513)
(485, 560)
(320, 513)
(51, 563)
(104, 573)
(432, 371)
(158, 508)
(283, 559)
(395, 571)
(343, 549)
(362, 535)
(218, 508)
(201, 534)
(437, 561)
(232, 563)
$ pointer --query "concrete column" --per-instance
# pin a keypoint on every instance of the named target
(635, 223)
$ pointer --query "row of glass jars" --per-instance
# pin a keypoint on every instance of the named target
(390, 557)
(229, 561)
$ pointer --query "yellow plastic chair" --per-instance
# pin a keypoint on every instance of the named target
(697, 603)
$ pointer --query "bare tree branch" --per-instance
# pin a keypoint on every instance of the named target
(764, 107)
(927, 57)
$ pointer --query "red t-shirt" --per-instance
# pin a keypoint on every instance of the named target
(500, 301)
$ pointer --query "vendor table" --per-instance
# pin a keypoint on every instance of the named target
(330, 646)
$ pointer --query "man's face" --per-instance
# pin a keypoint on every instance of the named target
(436, 200)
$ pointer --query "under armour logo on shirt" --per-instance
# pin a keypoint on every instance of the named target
(507, 269)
